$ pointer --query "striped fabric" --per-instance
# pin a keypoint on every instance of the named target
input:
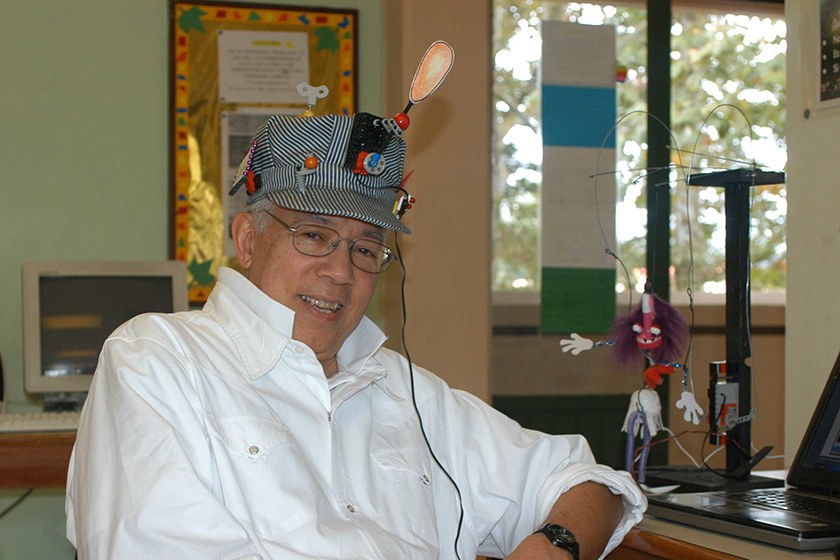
(277, 158)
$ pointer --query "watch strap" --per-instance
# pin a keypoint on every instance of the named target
(561, 537)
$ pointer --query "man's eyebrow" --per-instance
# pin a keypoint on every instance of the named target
(375, 233)
(307, 217)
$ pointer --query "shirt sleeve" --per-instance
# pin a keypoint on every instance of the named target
(618, 482)
(511, 476)
(139, 481)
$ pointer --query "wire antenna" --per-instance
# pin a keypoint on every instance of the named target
(597, 173)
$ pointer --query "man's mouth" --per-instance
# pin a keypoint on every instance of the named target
(321, 305)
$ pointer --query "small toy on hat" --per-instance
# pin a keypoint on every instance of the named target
(341, 165)
(311, 93)
(433, 69)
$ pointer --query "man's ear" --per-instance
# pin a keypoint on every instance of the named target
(243, 232)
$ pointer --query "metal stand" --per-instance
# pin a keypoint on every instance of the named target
(737, 184)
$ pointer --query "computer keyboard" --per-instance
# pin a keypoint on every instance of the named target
(53, 421)
(791, 501)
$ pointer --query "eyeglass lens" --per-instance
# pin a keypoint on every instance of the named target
(319, 241)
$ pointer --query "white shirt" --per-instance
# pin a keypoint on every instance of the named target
(213, 434)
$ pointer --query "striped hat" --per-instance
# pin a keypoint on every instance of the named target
(339, 165)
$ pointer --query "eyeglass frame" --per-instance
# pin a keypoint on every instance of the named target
(350, 242)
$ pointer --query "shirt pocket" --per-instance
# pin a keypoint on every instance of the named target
(253, 437)
(409, 501)
(405, 462)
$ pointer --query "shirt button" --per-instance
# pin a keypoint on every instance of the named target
(299, 349)
(350, 508)
(253, 450)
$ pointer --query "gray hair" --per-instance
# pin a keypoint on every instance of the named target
(260, 219)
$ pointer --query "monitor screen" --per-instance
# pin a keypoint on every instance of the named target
(70, 308)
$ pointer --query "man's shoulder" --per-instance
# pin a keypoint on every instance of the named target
(401, 373)
(164, 327)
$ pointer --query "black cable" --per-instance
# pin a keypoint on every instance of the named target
(414, 401)
(16, 503)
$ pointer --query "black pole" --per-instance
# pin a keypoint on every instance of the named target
(737, 207)
(737, 184)
(658, 241)
(658, 260)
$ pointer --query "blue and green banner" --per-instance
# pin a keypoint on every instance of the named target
(578, 188)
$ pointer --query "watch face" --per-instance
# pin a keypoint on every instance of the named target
(559, 533)
(561, 538)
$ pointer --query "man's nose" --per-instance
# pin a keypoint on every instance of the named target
(338, 265)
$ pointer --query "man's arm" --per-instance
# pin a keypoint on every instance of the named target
(590, 511)
(140, 480)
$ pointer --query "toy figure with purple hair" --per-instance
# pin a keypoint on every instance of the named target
(656, 333)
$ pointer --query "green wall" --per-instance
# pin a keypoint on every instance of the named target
(83, 157)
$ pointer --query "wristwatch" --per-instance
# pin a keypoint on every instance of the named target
(561, 538)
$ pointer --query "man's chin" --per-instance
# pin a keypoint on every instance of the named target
(322, 343)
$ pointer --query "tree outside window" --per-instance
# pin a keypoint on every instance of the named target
(728, 110)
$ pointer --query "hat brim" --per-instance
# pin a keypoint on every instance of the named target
(347, 204)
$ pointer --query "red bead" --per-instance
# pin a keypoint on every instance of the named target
(311, 162)
(249, 183)
(402, 120)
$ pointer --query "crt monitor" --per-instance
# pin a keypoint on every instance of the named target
(70, 308)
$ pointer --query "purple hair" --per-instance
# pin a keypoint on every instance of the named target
(674, 333)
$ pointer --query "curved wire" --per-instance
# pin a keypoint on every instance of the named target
(752, 164)
(607, 249)
(414, 401)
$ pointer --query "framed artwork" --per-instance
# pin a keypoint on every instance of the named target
(231, 66)
(829, 66)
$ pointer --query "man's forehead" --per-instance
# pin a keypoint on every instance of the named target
(369, 230)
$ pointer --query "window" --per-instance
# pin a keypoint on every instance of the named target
(728, 109)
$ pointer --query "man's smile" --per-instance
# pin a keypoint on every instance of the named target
(321, 305)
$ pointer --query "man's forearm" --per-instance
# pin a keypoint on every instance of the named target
(590, 511)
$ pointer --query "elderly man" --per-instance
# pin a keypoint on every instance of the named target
(273, 424)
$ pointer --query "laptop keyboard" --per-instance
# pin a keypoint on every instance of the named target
(790, 501)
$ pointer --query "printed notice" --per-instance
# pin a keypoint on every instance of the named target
(262, 66)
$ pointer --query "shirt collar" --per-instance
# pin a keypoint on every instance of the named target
(362, 343)
(261, 328)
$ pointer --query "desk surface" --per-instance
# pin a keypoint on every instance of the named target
(35, 460)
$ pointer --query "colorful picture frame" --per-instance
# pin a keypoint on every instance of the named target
(231, 65)
(829, 52)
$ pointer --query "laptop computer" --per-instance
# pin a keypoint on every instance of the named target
(771, 515)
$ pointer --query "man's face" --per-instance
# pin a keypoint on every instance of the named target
(329, 295)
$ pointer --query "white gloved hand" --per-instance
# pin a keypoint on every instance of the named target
(693, 412)
(576, 344)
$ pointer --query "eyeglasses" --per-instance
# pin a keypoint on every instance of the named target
(319, 241)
